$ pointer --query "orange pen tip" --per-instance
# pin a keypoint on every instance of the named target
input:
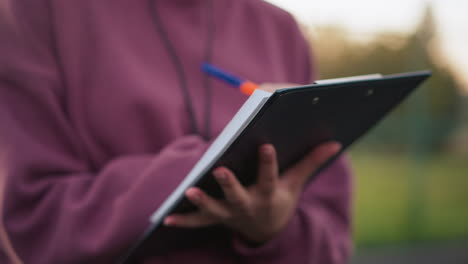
(248, 88)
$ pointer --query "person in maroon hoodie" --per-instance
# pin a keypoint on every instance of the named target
(104, 110)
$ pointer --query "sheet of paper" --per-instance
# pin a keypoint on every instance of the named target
(374, 76)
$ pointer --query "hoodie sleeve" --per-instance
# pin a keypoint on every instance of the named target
(56, 207)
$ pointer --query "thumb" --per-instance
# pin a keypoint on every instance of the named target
(297, 176)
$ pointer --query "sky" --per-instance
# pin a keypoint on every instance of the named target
(369, 16)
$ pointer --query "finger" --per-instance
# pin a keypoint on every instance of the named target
(193, 220)
(268, 170)
(236, 195)
(207, 204)
(271, 87)
(297, 176)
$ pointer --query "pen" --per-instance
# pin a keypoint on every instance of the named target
(245, 86)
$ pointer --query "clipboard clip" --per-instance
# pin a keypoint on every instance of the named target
(366, 77)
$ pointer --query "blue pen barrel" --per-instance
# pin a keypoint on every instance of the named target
(222, 75)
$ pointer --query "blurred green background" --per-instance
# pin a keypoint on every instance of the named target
(411, 184)
(383, 200)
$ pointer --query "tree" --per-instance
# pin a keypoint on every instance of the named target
(430, 115)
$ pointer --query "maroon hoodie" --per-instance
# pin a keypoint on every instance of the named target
(96, 132)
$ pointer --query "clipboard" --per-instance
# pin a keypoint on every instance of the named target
(294, 120)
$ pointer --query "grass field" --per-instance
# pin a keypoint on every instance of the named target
(384, 213)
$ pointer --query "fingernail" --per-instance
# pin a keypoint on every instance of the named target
(193, 194)
(168, 221)
(335, 147)
(220, 175)
(266, 149)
